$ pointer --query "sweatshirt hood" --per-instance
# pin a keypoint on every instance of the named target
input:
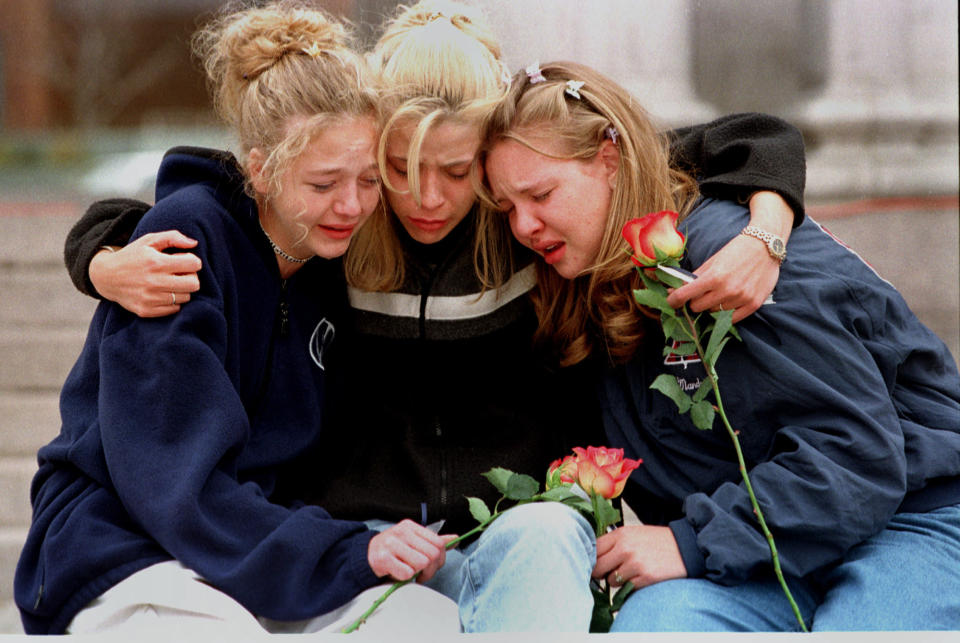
(185, 166)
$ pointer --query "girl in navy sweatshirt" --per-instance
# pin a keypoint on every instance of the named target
(154, 507)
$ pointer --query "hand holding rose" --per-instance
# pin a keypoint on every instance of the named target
(641, 554)
(405, 549)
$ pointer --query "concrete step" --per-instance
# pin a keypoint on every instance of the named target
(10, 620)
(42, 295)
(38, 358)
(11, 542)
(28, 420)
(15, 477)
(35, 233)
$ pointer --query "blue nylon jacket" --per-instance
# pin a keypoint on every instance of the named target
(174, 430)
(847, 407)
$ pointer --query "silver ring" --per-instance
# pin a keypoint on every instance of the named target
(618, 578)
(174, 295)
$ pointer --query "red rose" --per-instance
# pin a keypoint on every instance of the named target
(603, 471)
(656, 230)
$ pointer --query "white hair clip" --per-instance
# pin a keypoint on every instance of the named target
(573, 88)
(314, 50)
(534, 73)
(612, 133)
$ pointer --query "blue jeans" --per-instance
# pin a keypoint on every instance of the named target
(907, 577)
(529, 571)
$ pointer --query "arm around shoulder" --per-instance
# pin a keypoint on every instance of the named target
(105, 223)
(737, 155)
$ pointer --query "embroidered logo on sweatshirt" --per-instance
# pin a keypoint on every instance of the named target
(320, 340)
(688, 369)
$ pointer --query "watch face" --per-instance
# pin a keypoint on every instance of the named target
(778, 247)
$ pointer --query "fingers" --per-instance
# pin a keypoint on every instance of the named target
(168, 239)
(405, 549)
(609, 555)
(642, 554)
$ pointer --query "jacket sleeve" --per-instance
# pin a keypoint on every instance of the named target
(175, 429)
(106, 223)
(736, 155)
(820, 430)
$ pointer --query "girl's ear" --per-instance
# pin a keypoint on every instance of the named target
(255, 161)
(610, 157)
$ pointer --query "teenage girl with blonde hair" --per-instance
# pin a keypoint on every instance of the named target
(846, 405)
(435, 361)
(154, 508)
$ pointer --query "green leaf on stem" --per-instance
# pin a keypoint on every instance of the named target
(702, 414)
(521, 487)
(724, 322)
(478, 509)
(499, 478)
(621, 596)
(581, 505)
(602, 617)
(647, 297)
(673, 327)
(606, 514)
(652, 284)
(668, 385)
(702, 392)
(716, 354)
(558, 494)
(682, 348)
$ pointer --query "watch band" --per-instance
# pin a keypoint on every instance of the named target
(775, 245)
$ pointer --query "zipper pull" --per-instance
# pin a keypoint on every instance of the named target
(284, 309)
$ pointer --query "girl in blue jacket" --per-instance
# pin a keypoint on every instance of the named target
(848, 407)
(154, 506)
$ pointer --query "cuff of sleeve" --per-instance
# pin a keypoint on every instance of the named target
(359, 564)
(693, 558)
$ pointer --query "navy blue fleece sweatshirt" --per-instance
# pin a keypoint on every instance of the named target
(174, 430)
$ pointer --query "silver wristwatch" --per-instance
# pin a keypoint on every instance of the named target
(775, 245)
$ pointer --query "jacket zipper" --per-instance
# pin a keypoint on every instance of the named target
(284, 309)
(438, 432)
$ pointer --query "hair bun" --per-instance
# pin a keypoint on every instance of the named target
(258, 40)
(428, 11)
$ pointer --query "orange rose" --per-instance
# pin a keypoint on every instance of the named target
(603, 471)
(656, 231)
(561, 472)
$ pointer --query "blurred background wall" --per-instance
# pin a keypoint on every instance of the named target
(93, 91)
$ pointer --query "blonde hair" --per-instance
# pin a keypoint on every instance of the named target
(596, 306)
(438, 62)
(279, 74)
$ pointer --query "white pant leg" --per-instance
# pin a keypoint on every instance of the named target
(165, 598)
(413, 609)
